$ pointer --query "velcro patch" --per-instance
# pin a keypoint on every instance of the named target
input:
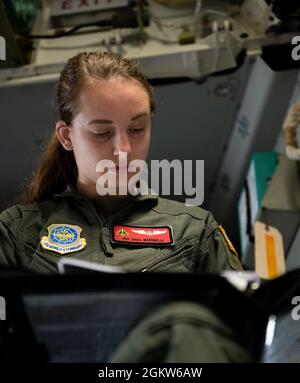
(63, 239)
(142, 235)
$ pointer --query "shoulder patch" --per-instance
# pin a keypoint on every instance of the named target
(227, 240)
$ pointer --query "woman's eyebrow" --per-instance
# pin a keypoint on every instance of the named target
(97, 121)
(140, 115)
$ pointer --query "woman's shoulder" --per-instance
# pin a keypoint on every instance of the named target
(171, 207)
(16, 211)
(20, 212)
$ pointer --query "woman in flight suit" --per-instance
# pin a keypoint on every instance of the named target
(104, 109)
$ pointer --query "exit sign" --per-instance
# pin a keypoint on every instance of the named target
(68, 7)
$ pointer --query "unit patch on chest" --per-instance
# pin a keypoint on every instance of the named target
(142, 235)
(63, 239)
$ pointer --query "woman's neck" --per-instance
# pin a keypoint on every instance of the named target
(108, 204)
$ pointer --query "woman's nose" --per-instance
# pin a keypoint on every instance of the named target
(122, 144)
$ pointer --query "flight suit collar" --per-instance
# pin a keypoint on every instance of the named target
(71, 191)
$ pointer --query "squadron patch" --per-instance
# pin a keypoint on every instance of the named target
(63, 239)
(229, 243)
(142, 235)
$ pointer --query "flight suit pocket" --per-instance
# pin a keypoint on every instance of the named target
(35, 257)
(178, 258)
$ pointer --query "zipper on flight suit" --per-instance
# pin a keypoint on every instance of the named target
(108, 251)
(177, 253)
(104, 224)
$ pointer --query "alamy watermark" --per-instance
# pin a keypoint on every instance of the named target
(2, 308)
(2, 49)
(296, 49)
(296, 310)
(154, 177)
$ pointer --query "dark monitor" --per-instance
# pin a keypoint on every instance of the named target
(83, 318)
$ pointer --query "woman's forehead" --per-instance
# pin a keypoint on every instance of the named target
(114, 86)
(114, 94)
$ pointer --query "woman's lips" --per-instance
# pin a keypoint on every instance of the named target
(118, 168)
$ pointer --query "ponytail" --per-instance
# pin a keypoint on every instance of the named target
(57, 170)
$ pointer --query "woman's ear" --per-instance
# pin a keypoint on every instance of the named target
(63, 134)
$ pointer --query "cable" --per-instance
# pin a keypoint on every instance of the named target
(102, 23)
(161, 40)
(128, 19)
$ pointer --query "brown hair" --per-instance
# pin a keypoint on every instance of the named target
(58, 167)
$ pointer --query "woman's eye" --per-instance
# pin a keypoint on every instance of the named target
(136, 130)
(102, 134)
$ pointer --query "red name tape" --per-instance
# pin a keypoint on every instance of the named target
(143, 235)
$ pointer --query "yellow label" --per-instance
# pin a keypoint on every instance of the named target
(271, 256)
(229, 243)
(269, 251)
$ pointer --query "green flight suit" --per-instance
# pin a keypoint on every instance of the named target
(199, 245)
(182, 332)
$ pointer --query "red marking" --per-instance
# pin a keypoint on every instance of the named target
(83, 2)
(66, 4)
(143, 235)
